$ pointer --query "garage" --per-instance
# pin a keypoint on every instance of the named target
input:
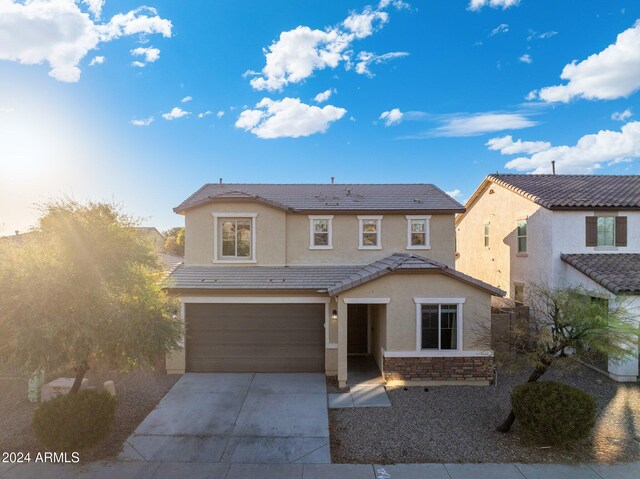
(255, 337)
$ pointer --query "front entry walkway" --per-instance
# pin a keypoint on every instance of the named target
(366, 386)
(237, 418)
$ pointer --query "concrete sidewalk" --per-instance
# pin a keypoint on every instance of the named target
(170, 470)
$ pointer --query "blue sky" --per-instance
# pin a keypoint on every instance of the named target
(460, 83)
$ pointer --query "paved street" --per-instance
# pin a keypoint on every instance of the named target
(170, 470)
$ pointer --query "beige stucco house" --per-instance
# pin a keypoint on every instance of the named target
(298, 278)
(558, 231)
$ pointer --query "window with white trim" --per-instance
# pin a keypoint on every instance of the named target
(522, 236)
(418, 232)
(320, 232)
(235, 237)
(606, 230)
(439, 324)
(487, 231)
(369, 232)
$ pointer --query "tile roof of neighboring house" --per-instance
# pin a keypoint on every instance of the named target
(327, 197)
(617, 272)
(170, 262)
(575, 191)
(333, 279)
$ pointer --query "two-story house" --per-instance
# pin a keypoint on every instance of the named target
(556, 230)
(295, 278)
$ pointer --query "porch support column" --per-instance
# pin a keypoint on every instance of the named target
(342, 344)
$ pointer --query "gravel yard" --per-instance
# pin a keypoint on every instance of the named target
(454, 424)
(138, 393)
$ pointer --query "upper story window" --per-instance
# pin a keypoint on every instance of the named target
(439, 323)
(606, 231)
(487, 230)
(418, 232)
(320, 232)
(369, 232)
(522, 236)
(235, 237)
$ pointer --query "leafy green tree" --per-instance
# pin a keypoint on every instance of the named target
(84, 286)
(563, 321)
(174, 241)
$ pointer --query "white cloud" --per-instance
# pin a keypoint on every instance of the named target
(7, 109)
(95, 7)
(138, 64)
(97, 60)
(502, 28)
(481, 123)
(391, 117)
(526, 58)
(150, 55)
(365, 23)
(476, 5)
(59, 33)
(220, 114)
(301, 51)
(533, 35)
(622, 115)
(288, 118)
(612, 73)
(590, 153)
(454, 193)
(399, 4)
(175, 113)
(205, 114)
(186, 99)
(142, 122)
(507, 146)
(365, 59)
(532, 95)
(323, 96)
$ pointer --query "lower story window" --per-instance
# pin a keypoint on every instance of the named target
(439, 326)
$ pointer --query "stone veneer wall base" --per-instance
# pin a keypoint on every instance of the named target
(441, 369)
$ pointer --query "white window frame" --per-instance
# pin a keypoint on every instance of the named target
(329, 219)
(459, 325)
(486, 235)
(427, 231)
(606, 215)
(378, 219)
(526, 236)
(217, 257)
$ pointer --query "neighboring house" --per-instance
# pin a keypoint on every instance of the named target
(151, 233)
(556, 230)
(298, 277)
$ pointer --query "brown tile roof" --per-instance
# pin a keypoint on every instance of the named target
(575, 191)
(403, 262)
(617, 272)
(333, 279)
(327, 197)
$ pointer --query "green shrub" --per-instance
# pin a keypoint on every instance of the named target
(72, 422)
(552, 413)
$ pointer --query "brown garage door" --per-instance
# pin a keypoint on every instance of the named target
(255, 337)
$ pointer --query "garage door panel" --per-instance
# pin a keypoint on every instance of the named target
(255, 337)
(244, 336)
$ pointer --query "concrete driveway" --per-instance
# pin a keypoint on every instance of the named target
(237, 418)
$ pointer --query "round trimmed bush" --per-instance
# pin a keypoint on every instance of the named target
(72, 422)
(552, 413)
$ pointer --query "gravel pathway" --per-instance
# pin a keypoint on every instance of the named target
(454, 424)
(138, 393)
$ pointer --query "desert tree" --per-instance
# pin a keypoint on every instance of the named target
(561, 322)
(84, 286)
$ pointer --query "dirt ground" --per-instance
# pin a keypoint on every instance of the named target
(456, 424)
(138, 393)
